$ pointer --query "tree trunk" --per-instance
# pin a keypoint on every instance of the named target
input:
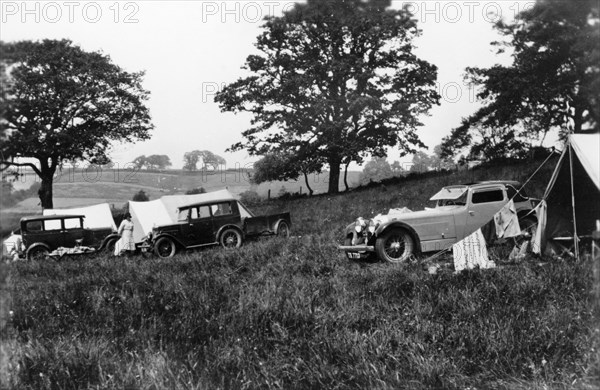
(47, 175)
(45, 192)
(346, 176)
(334, 176)
(310, 190)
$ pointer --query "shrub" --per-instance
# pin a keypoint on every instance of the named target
(250, 197)
(140, 196)
(195, 191)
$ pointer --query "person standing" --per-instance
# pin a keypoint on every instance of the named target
(125, 243)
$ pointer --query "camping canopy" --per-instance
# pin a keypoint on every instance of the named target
(96, 216)
(163, 211)
(571, 203)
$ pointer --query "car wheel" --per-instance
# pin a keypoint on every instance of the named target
(109, 248)
(165, 247)
(528, 230)
(37, 253)
(394, 246)
(231, 238)
(283, 229)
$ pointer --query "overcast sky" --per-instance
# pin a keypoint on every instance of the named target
(189, 49)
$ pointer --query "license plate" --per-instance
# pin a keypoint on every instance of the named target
(353, 255)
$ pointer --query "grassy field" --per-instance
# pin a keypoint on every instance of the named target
(285, 314)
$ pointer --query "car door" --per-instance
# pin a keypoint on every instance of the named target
(224, 213)
(53, 233)
(198, 230)
(73, 231)
(484, 203)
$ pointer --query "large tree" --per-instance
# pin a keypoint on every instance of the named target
(338, 77)
(209, 160)
(552, 83)
(60, 103)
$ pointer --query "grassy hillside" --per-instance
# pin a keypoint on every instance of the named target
(295, 313)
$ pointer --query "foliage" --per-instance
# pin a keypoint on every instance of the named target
(334, 80)
(140, 196)
(195, 191)
(61, 103)
(250, 197)
(552, 83)
(376, 170)
(285, 166)
(209, 160)
(154, 161)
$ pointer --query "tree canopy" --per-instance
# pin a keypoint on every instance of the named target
(154, 161)
(551, 85)
(335, 80)
(60, 103)
(209, 160)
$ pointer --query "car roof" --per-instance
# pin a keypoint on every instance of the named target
(513, 183)
(206, 202)
(47, 217)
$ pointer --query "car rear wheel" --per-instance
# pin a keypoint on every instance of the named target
(394, 246)
(37, 253)
(231, 238)
(528, 230)
(109, 248)
(165, 247)
(283, 229)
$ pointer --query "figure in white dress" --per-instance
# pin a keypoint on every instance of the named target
(125, 243)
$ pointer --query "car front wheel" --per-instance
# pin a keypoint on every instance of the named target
(165, 247)
(394, 246)
(109, 248)
(37, 253)
(283, 229)
(231, 238)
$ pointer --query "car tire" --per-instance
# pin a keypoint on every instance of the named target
(231, 238)
(528, 230)
(165, 247)
(109, 248)
(395, 246)
(38, 252)
(283, 229)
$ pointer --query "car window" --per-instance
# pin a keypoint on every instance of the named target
(183, 214)
(203, 212)
(488, 196)
(34, 226)
(222, 209)
(72, 223)
(52, 224)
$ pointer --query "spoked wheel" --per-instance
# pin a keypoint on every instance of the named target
(528, 230)
(109, 248)
(37, 253)
(165, 247)
(394, 246)
(231, 238)
(283, 229)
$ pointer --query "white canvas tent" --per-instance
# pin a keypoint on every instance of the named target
(571, 203)
(96, 216)
(163, 211)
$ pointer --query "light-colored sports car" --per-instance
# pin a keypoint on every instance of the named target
(460, 210)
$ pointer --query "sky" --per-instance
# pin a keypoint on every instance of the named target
(191, 49)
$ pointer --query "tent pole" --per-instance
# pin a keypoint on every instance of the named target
(575, 238)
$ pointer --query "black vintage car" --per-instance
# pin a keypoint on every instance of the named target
(214, 223)
(43, 234)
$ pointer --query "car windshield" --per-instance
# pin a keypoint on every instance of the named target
(460, 201)
(450, 193)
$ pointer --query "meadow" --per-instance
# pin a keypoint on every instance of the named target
(295, 313)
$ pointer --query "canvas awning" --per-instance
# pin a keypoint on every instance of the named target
(96, 216)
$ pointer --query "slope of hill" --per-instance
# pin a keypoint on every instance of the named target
(295, 313)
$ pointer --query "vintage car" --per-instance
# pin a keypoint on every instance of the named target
(214, 223)
(42, 235)
(459, 211)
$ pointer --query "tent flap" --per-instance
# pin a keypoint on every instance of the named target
(97, 216)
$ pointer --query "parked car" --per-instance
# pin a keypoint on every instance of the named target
(43, 234)
(460, 210)
(214, 223)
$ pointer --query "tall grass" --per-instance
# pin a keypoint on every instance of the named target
(295, 313)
